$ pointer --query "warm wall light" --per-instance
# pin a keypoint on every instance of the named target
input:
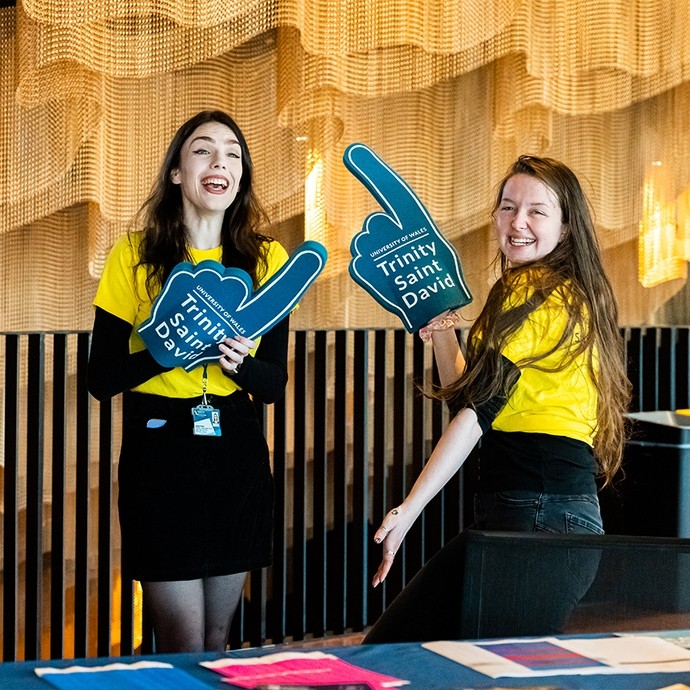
(314, 206)
(660, 253)
(683, 223)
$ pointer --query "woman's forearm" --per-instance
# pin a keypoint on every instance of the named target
(448, 355)
(112, 369)
(451, 451)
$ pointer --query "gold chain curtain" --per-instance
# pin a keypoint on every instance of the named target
(448, 92)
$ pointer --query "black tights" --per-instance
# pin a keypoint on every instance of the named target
(193, 615)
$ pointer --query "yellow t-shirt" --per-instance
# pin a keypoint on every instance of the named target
(124, 296)
(562, 403)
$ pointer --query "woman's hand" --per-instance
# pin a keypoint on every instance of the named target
(391, 534)
(443, 322)
(233, 351)
(447, 353)
(452, 449)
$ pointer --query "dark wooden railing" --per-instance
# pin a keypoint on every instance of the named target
(347, 440)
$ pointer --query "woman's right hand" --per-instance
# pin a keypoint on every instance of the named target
(390, 535)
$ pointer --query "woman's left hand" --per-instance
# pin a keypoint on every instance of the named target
(443, 322)
(233, 351)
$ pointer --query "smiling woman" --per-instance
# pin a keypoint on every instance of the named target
(209, 174)
(195, 488)
(528, 220)
(542, 382)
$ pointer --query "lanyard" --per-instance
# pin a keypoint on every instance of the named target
(204, 385)
(206, 418)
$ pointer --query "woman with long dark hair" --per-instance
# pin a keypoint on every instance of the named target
(196, 511)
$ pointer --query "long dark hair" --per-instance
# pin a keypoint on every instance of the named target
(164, 242)
(574, 272)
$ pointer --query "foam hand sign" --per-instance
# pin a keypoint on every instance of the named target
(199, 306)
(400, 257)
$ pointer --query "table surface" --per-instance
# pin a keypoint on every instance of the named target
(424, 669)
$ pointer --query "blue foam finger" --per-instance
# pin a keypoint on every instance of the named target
(201, 305)
(400, 257)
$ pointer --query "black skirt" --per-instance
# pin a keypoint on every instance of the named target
(193, 506)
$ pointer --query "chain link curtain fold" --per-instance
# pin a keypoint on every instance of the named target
(448, 93)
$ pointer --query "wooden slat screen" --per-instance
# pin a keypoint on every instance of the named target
(347, 441)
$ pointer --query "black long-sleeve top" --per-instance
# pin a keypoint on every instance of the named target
(113, 369)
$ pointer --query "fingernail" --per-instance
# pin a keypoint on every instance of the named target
(377, 540)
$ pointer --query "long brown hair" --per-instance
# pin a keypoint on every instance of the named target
(574, 273)
(164, 243)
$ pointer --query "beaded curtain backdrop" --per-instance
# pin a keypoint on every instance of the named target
(447, 92)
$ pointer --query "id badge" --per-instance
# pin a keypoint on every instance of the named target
(206, 420)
